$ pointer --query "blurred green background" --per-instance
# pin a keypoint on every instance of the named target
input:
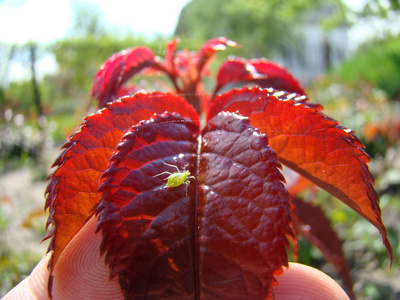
(346, 54)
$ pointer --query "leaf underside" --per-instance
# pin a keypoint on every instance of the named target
(222, 236)
(311, 144)
(261, 72)
(118, 69)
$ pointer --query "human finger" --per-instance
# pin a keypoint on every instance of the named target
(81, 272)
(305, 282)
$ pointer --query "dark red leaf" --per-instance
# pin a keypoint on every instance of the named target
(261, 72)
(72, 188)
(223, 236)
(243, 211)
(311, 222)
(118, 69)
(311, 144)
(148, 228)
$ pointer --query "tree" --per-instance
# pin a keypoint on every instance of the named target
(376, 8)
(87, 46)
(267, 25)
(88, 20)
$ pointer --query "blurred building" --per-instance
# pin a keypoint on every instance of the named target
(318, 49)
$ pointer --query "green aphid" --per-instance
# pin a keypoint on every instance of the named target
(177, 178)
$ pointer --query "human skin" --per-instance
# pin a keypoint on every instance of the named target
(81, 273)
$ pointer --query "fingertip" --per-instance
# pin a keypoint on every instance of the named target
(304, 282)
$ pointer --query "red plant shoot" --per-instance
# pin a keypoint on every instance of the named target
(225, 234)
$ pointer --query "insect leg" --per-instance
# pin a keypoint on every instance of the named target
(173, 167)
(166, 172)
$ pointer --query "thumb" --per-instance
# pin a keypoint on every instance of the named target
(304, 282)
(81, 273)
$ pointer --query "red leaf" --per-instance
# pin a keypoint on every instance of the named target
(72, 188)
(118, 69)
(223, 237)
(311, 144)
(277, 77)
(169, 57)
(311, 222)
(244, 211)
(262, 72)
(208, 50)
(236, 70)
(192, 67)
(147, 227)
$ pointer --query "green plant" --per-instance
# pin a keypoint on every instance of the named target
(377, 63)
